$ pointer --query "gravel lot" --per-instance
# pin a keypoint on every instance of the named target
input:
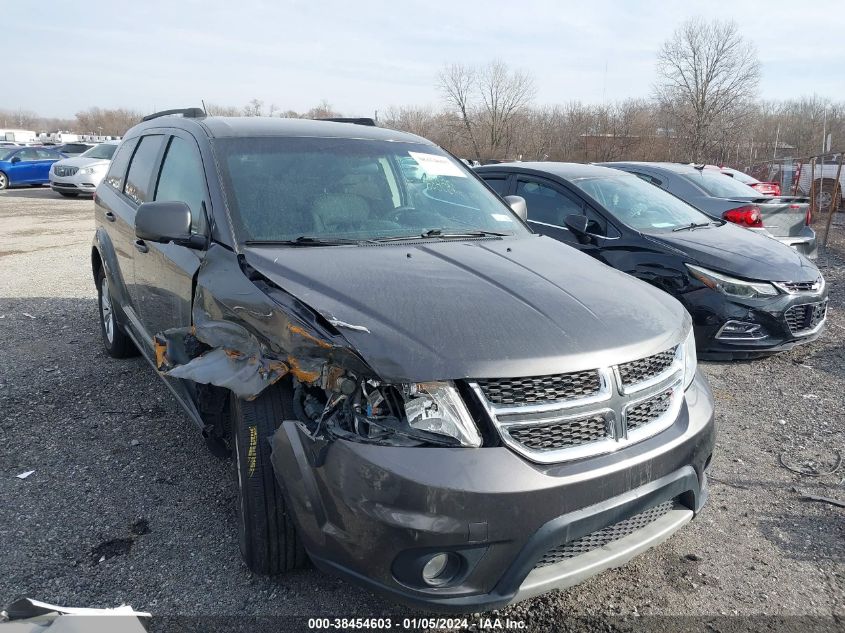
(126, 505)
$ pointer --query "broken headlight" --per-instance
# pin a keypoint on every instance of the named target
(366, 410)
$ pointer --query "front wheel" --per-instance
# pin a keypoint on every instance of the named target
(4, 181)
(115, 340)
(268, 540)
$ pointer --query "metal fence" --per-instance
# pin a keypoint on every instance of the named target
(820, 177)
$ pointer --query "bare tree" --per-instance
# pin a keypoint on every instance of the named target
(504, 95)
(323, 110)
(486, 103)
(709, 76)
(214, 109)
(254, 108)
(110, 122)
(457, 83)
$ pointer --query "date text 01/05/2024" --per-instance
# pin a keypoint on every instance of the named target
(415, 623)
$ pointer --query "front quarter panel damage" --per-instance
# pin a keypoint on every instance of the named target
(248, 333)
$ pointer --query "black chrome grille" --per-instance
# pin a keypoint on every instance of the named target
(66, 171)
(801, 286)
(604, 536)
(648, 410)
(805, 317)
(561, 434)
(541, 389)
(645, 368)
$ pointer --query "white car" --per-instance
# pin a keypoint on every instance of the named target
(81, 174)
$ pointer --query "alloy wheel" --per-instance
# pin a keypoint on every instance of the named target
(106, 312)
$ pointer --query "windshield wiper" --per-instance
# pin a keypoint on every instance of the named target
(307, 240)
(691, 226)
(461, 233)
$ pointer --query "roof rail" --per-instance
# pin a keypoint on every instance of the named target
(356, 121)
(190, 113)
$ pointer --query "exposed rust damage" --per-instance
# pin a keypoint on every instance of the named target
(246, 337)
(298, 330)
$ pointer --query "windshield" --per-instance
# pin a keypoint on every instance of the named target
(104, 150)
(639, 204)
(282, 189)
(720, 186)
(6, 152)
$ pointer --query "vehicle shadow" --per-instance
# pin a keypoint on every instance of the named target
(33, 193)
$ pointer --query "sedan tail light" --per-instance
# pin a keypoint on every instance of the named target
(748, 215)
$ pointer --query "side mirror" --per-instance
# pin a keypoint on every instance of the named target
(15, 159)
(518, 206)
(166, 222)
(577, 224)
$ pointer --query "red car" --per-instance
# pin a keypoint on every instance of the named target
(771, 189)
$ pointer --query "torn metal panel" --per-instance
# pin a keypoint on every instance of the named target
(246, 335)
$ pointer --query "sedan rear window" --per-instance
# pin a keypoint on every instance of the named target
(282, 188)
(718, 185)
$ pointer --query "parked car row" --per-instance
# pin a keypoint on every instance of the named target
(70, 169)
(459, 387)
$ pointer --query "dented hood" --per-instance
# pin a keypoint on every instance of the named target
(440, 310)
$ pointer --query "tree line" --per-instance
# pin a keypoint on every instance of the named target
(704, 108)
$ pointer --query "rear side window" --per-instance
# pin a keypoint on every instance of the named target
(499, 185)
(182, 179)
(141, 169)
(117, 170)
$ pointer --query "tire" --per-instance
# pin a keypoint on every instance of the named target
(115, 340)
(68, 194)
(824, 193)
(4, 181)
(268, 538)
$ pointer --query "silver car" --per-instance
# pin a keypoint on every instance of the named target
(81, 174)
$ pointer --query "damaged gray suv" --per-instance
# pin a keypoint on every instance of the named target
(418, 392)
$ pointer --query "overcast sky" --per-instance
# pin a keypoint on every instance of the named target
(64, 56)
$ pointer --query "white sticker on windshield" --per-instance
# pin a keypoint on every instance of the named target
(661, 225)
(501, 217)
(434, 165)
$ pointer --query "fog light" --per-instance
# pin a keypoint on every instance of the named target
(440, 569)
(741, 331)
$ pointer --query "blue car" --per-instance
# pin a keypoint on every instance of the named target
(26, 165)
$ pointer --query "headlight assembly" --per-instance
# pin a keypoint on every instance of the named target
(366, 410)
(90, 170)
(437, 407)
(730, 286)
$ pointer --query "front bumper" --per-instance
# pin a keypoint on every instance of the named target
(85, 184)
(373, 513)
(711, 310)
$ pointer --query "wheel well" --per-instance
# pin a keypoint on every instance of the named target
(96, 263)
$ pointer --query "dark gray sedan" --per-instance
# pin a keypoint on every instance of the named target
(784, 218)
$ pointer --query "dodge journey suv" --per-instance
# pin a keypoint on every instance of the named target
(417, 391)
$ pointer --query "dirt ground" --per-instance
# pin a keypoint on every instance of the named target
(126, 504)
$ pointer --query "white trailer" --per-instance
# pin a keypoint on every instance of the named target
(18, 136)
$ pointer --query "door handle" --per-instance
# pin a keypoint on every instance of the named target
(141, 245)
(110, 216)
